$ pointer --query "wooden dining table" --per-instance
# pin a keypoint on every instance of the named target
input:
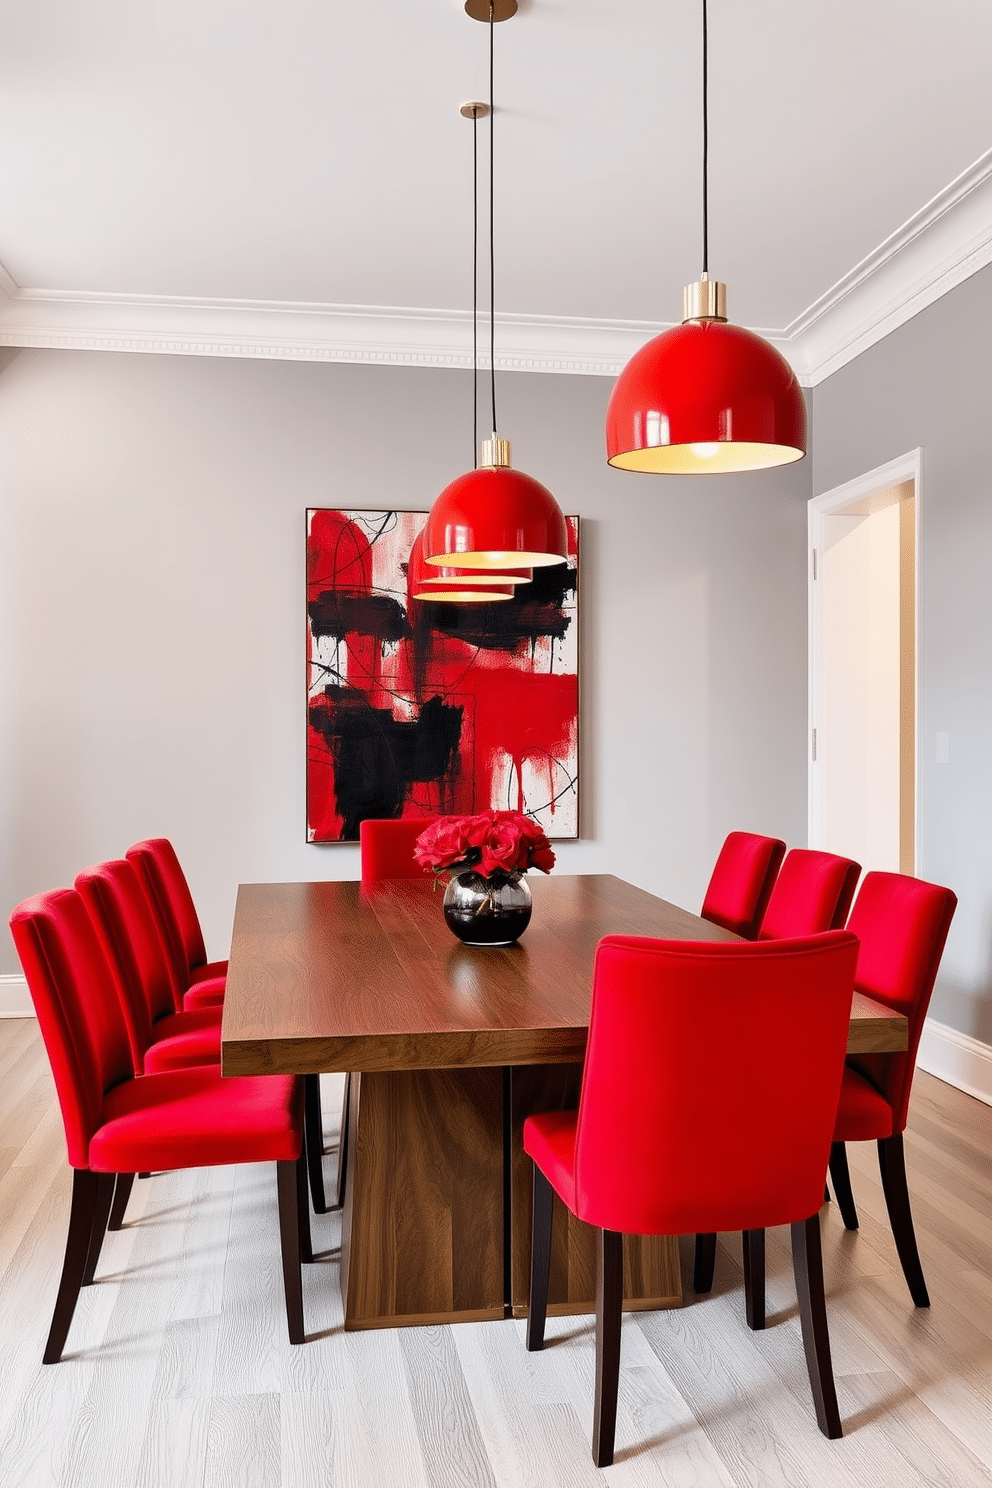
(450, 1048)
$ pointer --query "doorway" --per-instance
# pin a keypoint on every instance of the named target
(863, 667)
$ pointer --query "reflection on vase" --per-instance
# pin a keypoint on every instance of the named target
(487, 911)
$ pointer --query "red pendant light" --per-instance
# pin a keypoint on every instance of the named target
(705, 397)
(493, 518)
(455, 590)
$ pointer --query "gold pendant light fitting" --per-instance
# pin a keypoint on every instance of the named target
(494, 454)
(706, 299)
(474, 110)
(501, 10)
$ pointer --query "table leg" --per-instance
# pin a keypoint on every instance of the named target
(422, 1232)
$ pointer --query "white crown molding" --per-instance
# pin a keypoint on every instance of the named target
(302, 332)
(942, 245)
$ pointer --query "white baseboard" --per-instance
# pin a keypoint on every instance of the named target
(956, 1059)
(15, 1000)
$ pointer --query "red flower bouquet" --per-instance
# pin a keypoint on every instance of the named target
(492, 843)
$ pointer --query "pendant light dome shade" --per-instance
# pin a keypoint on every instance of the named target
(495, 518)
(419, 585)
(705, 398)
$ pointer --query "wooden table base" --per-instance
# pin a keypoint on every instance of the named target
(424, 1238)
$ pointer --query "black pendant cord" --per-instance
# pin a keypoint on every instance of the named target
(475, 291)
(706, 151)
(492, 236)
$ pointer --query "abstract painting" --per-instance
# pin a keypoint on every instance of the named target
(424, 709)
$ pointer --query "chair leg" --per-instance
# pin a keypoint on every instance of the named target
(288, 1177)
(314, 1123)
(303, 1207)
(122, 1192)
(841, 1175)
(704, 1261)
(807, 1263)
(540, 1260)
(892, 1167)
(98, 1226)
(343, 1143)
(753, 1247)
(609, 1310)
(85, 1189)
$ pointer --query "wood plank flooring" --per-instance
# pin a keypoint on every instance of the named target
(179, 1373)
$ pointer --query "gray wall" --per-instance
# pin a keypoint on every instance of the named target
(152, 603)
(929, 384)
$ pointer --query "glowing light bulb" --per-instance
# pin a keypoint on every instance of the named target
(705, 451)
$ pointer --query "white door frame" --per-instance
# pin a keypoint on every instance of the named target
(907, 467)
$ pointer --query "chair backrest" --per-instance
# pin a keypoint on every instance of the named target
(741, 882)
(711, 1082)
(168, 892)
(812, 893)
(387, 848)
(129, 935)
(902, 924)
(79, 1013)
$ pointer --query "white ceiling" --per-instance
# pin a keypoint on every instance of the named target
(288, 177)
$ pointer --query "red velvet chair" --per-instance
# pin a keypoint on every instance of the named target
(741, 882)
(160, 1037)
(691, 1120)
(813, 892)
(199, 983)
(387, 848)
(119, 1124)
(902, 924)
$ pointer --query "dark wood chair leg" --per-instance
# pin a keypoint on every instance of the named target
(841, 1176)
(343, 1143)
(122, 1192)
(85, 1188)
(753, 1247)
(704, 1261)
(609, 1310)
(314, 1123)
(288, 1176)
(98, 1225)
(303, 1207)
(807, 1263)
(540, 1259)
(892, 1167)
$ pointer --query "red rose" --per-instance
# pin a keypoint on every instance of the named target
(542, 858)
(441, 844)
(504, 849)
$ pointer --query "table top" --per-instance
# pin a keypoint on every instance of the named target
(350, 976)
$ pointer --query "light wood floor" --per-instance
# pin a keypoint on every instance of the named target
(179, 1372)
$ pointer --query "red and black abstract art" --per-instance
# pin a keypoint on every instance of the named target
(420, 709)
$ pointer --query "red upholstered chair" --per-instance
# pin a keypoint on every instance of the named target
(160, 1037)
(387, 848)
(741, 882)
(690, 1120)
(902, 924)
(119, 1124)
(812, 892)
(199, 983)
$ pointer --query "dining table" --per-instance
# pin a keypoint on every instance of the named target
(449, 1048)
